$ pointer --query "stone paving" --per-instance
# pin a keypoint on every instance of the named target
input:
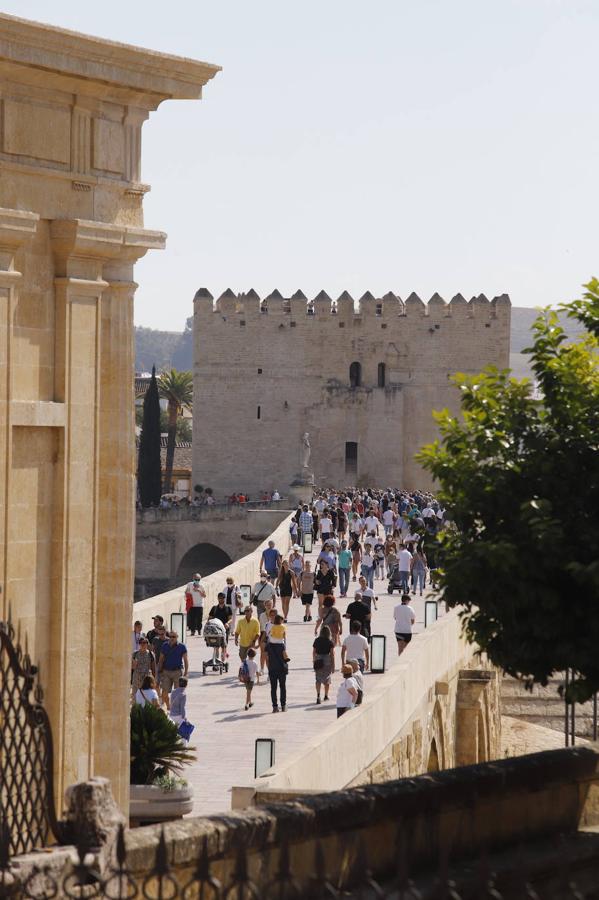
(225, 733)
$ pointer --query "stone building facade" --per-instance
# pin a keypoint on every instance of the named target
(71, 229)
(361, 378)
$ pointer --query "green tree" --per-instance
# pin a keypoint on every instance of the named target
(519, 473)
(177, 389)
(149, 475)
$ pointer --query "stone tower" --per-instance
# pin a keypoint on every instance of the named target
(361, 378)
(71, 230)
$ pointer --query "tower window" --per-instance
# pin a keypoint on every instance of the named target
(259, 371)
(351, 457)
(381, 375)
(355, 375)
(258, 412)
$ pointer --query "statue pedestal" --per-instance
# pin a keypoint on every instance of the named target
(301, 488)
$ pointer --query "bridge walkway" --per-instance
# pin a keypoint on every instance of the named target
(225, 733)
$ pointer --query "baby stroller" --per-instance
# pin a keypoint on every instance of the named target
(397, 580)
(215, 635)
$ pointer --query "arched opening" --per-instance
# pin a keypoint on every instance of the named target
(481, 739)
(351, 457)
(355, 375)
(433, 758)
(203, 558)
(381, 373)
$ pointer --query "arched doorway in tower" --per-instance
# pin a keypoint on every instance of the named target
(433, 758)
(203, 558)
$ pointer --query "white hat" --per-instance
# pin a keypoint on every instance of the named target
(197, 576)
(296, 547)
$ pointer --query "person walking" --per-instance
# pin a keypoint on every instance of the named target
(270, 561)
(355, 646)
(405, 617)
(147, 693)
(324, 581)
(358, 611)
(143, 663)
(296, 564)
(172, 664)
(136, 636)
(404, 558)
(355, 548)
(252, 675)
(277, 675)
(367, 565)
(232, 599)
(285, 586)
(307, 591)
(344, 561)
(247, 632)
(194, 604)
(331, 617)
(305, 523)
(323, 660)
(262, 591)
(347, 692)
(419, 570)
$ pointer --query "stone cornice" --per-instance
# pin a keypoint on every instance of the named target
(149, 75)
(16, 226)
(98, 240)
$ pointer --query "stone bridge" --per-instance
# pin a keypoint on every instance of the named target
(435, 707)
(172, 544)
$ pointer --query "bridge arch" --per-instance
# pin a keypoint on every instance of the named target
(204, 558)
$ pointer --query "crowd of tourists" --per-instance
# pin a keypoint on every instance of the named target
(365, 536)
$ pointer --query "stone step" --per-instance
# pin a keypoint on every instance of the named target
(543, 705)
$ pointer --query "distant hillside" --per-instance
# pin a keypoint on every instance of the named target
(164, 349)
(168, 349)
(522, 319)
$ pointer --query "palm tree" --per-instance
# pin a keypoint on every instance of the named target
(177, 388)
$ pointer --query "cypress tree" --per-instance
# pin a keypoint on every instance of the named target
(149, 470)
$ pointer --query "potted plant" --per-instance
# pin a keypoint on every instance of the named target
(158, 754)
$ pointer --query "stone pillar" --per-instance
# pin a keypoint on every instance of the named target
(16, 227)
(93, 562)
(470, 748)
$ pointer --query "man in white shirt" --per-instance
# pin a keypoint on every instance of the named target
(326, 528)
(355, 646)
(195, 607)
(428, 512)
(388, 520)
(276, 496)
(320, 505)
(371, 523)
(405, 617)
(404, 560)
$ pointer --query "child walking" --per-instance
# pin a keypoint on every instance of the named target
(252, 669)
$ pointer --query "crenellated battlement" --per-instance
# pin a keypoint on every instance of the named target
(345, 307)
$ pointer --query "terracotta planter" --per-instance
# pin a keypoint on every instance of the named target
(150, 803)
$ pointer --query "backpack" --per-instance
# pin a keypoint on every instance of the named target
(244, 673)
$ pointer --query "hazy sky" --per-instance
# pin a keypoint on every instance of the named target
(427, 145)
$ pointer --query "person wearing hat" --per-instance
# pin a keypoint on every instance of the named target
(157, 623)
(194, 604)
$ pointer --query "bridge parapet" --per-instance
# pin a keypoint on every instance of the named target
(207, 513)
(418, 718)
(244, 571)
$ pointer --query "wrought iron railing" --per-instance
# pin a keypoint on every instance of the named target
(273, 876)
(331, 866)
(27, 813)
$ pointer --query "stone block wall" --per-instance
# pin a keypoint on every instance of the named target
(71, 230)
(281, 367)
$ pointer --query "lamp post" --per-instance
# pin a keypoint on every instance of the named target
(264, 756)
(307, 541)
(178, 624)
(431, 612)
(378, 649)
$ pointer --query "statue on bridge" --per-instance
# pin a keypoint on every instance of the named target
(305, 450)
